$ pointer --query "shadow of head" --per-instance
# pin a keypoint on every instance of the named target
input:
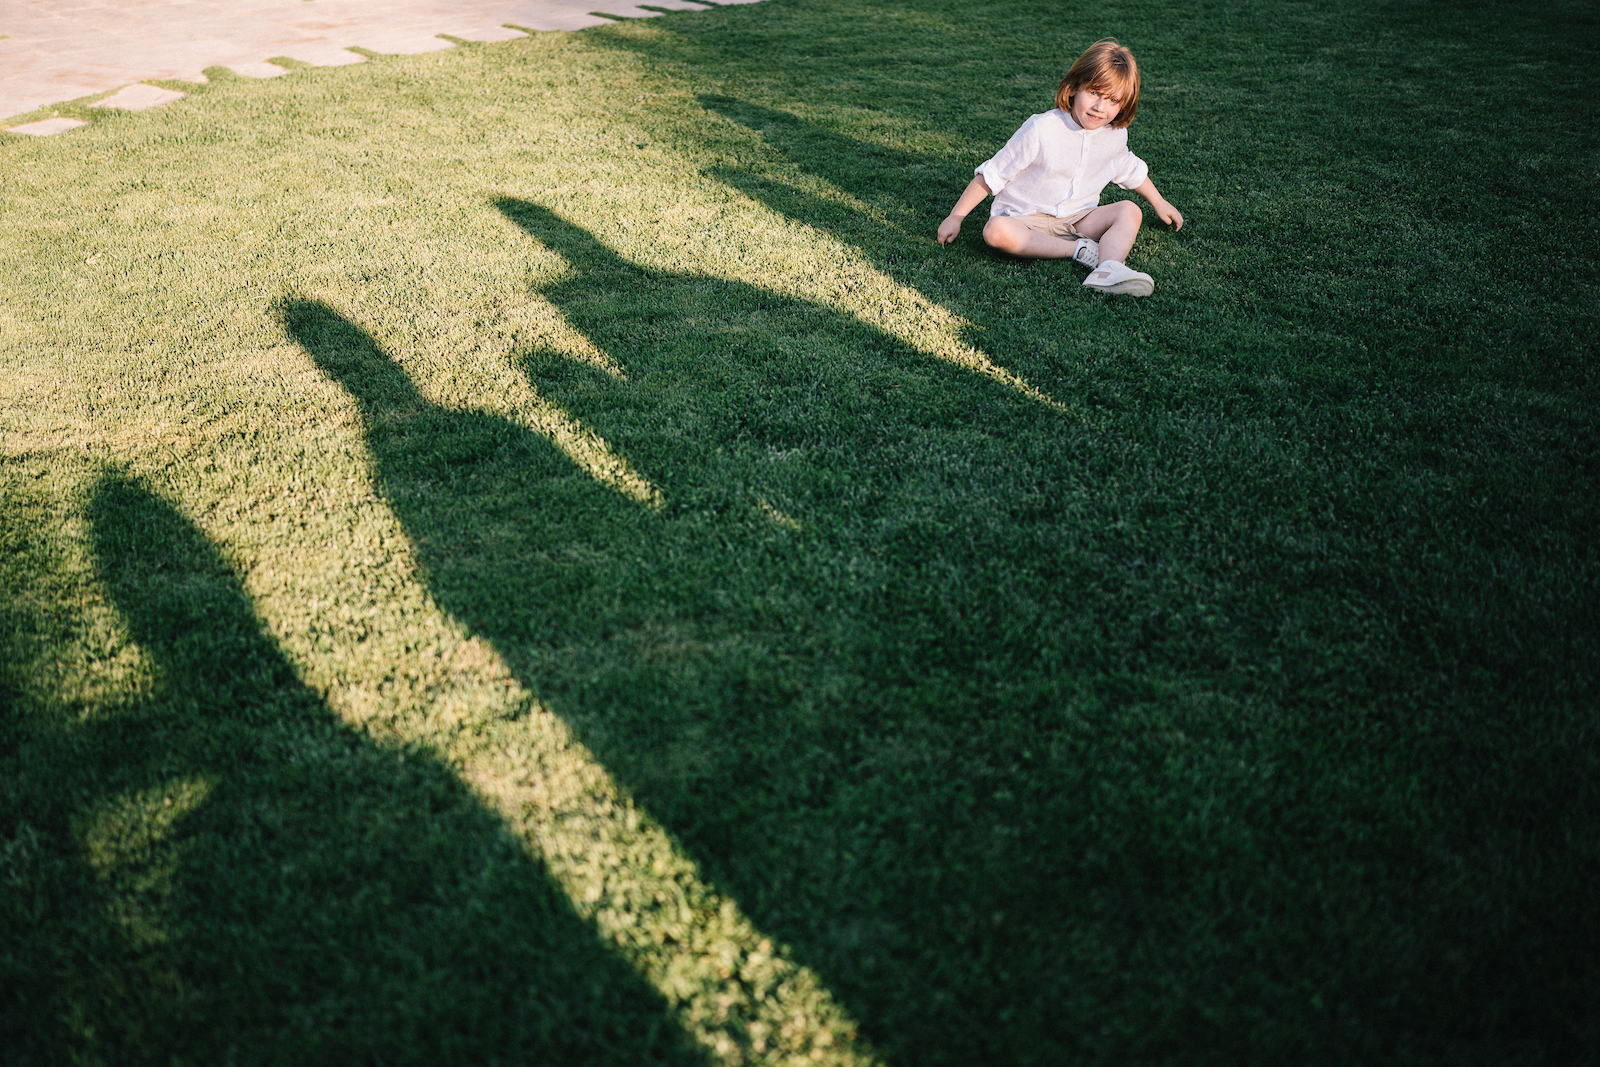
(349, 355)
(572, 243)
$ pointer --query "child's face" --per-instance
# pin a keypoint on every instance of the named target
(1092, 108)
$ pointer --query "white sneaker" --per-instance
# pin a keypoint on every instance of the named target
(1088, 253)
(1114, 277)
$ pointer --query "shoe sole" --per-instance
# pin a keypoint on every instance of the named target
(1126, 287)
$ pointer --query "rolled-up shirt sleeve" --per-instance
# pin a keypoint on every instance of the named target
(1012, 159)
(1131, 171)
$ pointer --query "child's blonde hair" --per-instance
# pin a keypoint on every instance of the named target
(1106, 67)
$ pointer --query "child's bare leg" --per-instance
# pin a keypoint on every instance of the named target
(1009, 235)
(1114, 225)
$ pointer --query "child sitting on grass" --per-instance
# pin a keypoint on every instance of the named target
(1046, 181)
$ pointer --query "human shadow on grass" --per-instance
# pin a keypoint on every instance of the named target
(275, 886)
(794, 661)
(908, 667)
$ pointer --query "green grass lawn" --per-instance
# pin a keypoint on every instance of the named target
(534, 554)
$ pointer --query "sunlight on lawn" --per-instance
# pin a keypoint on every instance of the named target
(512, 396)
(859, 290)
(554, 331)
(731, 987)
(125, 841)
(534, 552)
(852, 286)
(789, 255)
(585, 448)
(733, 990)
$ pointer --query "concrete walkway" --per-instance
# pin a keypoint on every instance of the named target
(53, 51)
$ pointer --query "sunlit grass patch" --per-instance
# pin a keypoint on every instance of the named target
(533, 552)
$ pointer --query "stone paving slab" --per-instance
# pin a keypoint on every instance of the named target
(139, 98)
(48, 127)
(53, 51)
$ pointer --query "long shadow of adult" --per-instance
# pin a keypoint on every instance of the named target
(777, 659)
(301, 893)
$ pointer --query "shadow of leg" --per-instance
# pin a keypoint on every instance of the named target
(304, 890)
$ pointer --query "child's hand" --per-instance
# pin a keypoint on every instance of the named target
(1169, 215)
(949, 229)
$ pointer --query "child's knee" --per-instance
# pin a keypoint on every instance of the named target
(1001, 235)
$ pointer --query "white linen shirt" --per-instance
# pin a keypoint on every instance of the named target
(1055, 167)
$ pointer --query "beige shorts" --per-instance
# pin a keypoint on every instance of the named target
(1054, 224)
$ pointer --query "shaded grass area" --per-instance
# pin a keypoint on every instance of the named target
(1028, 677)
(252, 878)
